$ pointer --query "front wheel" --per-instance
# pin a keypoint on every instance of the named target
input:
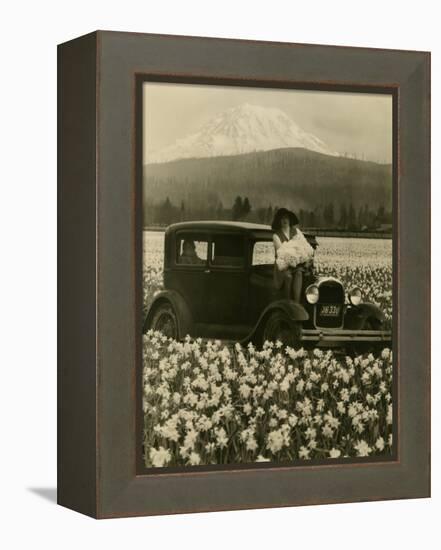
(280, 327)
(361, 348)
(164, 320)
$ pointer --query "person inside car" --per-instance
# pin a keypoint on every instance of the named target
(189, 255)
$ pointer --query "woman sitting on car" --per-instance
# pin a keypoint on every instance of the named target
(293, 254)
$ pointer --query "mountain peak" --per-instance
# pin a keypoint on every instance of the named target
(242, 129)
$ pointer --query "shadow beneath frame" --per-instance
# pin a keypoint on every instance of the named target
(48, 493)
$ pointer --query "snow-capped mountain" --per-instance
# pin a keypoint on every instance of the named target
(242, 129)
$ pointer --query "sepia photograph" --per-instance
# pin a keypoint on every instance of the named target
(267, 276)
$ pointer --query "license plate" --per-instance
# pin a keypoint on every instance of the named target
(329, 310)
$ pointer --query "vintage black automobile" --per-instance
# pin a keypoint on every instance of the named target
(218, 283)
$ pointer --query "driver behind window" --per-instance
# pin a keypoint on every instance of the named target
(189, 254)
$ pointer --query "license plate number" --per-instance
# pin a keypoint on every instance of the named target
(328, 310)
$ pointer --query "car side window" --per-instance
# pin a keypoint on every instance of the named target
(228, 251)
(263, 253)
(191, 250)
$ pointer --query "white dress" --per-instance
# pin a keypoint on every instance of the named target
(292, 252)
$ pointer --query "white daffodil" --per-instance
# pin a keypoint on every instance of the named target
(327, 431)
(334, 453)
(194, 459)
(389, 417)
(275, 441)
(160, 457)
(304, 453)
(261, 458)
(379, 444)
(362, 448)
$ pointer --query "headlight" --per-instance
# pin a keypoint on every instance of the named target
(312, 294)
(355, 296)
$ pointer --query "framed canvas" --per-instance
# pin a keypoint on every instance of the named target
(244, 274)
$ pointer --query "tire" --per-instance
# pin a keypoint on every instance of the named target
(165, 321)
(280, 327)
(368, 347)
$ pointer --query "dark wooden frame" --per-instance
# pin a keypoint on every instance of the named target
(99, 317)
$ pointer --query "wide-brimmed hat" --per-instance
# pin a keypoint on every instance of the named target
(282, 213)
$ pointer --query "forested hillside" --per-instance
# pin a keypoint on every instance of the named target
(325, 190)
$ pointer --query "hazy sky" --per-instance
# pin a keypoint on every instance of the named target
(356, 124)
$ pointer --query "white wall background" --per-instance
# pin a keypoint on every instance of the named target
(29, 34)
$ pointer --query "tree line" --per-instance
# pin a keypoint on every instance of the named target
(339, 215)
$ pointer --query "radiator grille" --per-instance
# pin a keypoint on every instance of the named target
(330, 307)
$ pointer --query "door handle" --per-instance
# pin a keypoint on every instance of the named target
(207, 271)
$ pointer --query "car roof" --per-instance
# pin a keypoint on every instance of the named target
(256, 230)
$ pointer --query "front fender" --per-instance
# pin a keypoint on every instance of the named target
(293, 310)
(357, 315)
(183, 313)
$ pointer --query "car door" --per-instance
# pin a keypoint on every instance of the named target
(227, 280)
(189, 275)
